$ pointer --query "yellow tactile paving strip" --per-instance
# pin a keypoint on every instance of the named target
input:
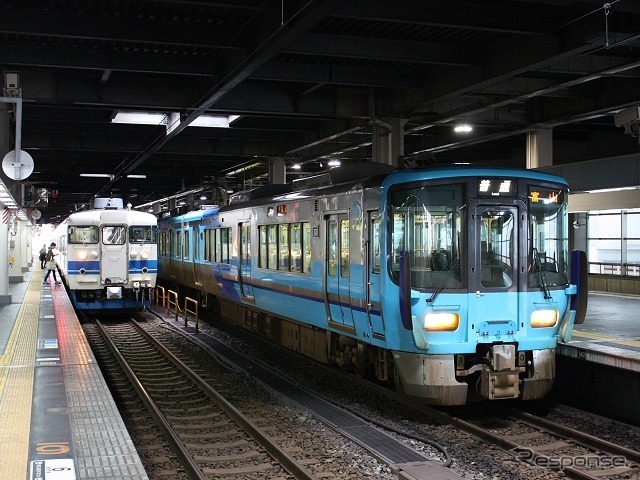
(607, 338)
(17, 366)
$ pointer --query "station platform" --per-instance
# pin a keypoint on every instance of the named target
(610, 334)
(58, 418)
(598, 370)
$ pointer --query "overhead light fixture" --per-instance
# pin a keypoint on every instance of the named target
(96, 175)
(140, 118)
(136, 176)
(463, 128)
(334, 163)
(296, 166)
(609, 190)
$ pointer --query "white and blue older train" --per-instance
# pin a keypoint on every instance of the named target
(108, 256)
(451, 283)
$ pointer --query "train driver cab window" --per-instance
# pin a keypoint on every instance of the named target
(142, 234)
(114, 234)
(427, 224)
(83, 235)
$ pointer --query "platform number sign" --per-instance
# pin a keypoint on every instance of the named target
(53, 469)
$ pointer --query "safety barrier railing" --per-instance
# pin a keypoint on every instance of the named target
(170, 300)
(160, 296)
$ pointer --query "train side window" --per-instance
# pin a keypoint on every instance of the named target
(375, 245)
(344, 248)
(332, 248)
(262, 242)
(306, 247)
(179, 242)
(218, 247)
(296, 247)
(283, 244)
(114, 234)
(224, 244)
(208, 245)
(272, 247)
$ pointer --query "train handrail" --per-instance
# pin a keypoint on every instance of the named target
(188, 300)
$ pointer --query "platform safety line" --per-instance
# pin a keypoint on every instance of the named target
(16, 386)
(607, 338)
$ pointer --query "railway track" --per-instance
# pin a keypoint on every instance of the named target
(549, 445)
(530, 439)
(191, 422)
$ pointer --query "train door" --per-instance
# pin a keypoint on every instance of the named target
(496, 267)
(337, 295)
(373, 259)
(114, 267)
(244, 260)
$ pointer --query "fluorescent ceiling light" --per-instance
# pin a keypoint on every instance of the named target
(296, 166)
(218, 121)
(463, 128)
(136, 176)
(608, 190)
(334, 163)
(140, 118)
(96, 175)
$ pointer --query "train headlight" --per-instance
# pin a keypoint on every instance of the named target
(133, 254)
(144, 254)
(441, 322)
(82, 255)
(94, 254)
(544, 318)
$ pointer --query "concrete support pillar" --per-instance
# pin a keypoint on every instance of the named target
(277, 171)
(540, 148)
(387, 143)
(5, 296)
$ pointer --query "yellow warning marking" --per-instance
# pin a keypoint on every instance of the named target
(16, 386)
(608, 338)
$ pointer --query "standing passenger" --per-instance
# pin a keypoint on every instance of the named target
(43, 256)
(51, 264)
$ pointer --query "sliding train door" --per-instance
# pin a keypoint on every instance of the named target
(372, 265)
(497, 231)
(337, 275)
(244, 260)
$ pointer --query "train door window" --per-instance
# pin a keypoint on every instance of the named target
(262, 242)
(283, 247)
(196, 244)
(344, 248)
(272, 247)
(114, 234)
(296, 247)
(83, 235)
(245, 244)
(375, 245)
(306, 247)
(332, 248)
(179, 243)
(187, 245)
(498, 258)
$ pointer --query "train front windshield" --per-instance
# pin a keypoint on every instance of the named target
(433, 223)
(427, 223)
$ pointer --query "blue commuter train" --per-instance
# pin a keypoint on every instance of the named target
(450, 282)
(108, 257)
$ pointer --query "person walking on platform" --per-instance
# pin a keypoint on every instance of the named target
(51, 264)
(43, 256)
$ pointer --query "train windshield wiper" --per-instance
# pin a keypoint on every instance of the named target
(543, 277)
(443, 280)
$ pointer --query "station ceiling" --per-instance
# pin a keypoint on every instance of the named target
(305, 82)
